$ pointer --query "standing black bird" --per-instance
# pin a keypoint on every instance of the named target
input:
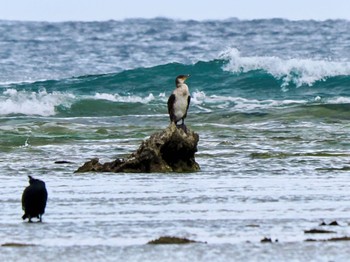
(179, 100)
(34, 199)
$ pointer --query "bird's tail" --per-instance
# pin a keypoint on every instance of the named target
(24, 216)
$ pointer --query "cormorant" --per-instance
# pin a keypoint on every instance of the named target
(34, 199)
(179, 101)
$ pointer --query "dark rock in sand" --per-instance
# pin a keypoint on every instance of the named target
(339, 239)
(267, 240)
(334, 239)
(166, 240)
(334, 223)
(311, 240)
(171, 150)
(63, 162)
(16, 245)
(318, 231)
(252, 225)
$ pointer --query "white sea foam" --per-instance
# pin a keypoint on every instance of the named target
(105, 96)
(239, 104)
(339, 100)
(124, 99)
(40, 103)
(200, 99)
(297, 71)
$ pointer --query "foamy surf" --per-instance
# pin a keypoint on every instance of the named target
(124, 99)
(294, 71)
(41, 103)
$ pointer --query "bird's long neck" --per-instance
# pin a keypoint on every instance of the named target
(182, 87)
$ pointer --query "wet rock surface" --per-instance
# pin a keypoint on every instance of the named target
(318, 231)
(167, 240)
(13, 244)
(170, 150)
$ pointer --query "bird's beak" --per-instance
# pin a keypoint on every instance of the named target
(187, 76)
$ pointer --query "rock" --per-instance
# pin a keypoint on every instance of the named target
(166, 240)
(334, 223)
(334, 239)
(339, 239)
(252, 225)
(311, 240)
(171, 150)
(267, 240)
(63, 162)
(318, 231)
(16, 245)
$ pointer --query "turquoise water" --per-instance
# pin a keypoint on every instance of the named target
(270, 102)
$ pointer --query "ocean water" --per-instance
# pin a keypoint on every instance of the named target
(270, 102)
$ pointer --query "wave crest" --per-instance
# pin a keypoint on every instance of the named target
(124, 99)
(291, 71)
(39, 103)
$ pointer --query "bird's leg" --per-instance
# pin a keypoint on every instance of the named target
(30, 219)
(172, 121)
(183, 126)
(40, 219)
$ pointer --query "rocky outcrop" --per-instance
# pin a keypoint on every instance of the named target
(171, 150)
(168, 240)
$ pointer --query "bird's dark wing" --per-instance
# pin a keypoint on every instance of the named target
(171, 102)
(41, 196)
(188, 104)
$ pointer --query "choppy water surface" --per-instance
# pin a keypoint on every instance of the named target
(270, 102)
(111, 217)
